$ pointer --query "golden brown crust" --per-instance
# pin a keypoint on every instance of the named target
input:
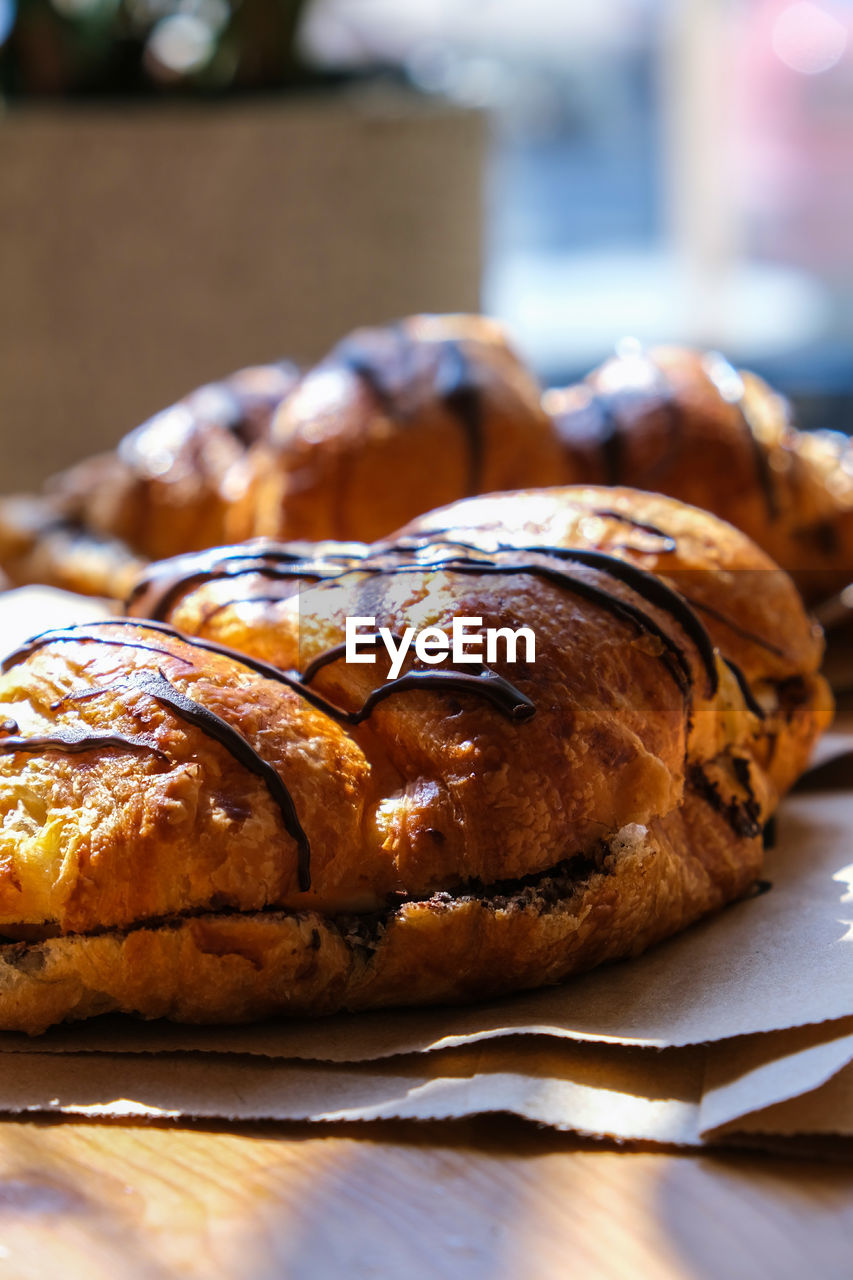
(688, 424)
(402, 804)
(749, 607)
(162, 491)
(39, 544)
(236, 968)
(401, 419)
(393, 422)
(210, 778)
(711, 562)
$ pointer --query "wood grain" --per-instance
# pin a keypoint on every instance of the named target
(488, 1198)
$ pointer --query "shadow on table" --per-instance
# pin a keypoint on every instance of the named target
(750, 1216)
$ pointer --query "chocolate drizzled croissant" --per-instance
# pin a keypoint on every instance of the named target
(690, 425)
(160, 492)
(401, 419)
(394, 421)
(211, 815)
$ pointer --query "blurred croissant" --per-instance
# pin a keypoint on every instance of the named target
(692, 426)
(399, 420)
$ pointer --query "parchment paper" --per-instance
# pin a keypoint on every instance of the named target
(594, 1089)
(827, 1110)
(613, 1091)
(746, 1078)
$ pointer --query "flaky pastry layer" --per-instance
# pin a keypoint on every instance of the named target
(649, 883)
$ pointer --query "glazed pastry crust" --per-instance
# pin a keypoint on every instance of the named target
(401, 419)
(164, 850)
(160, 492)
(404, 804)
(438, 405)
(39, 544)
(393, 421)
(750, 608)
(238, 968)
(687, 424)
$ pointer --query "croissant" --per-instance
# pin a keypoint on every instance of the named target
(690, 425)
(394, 421)
(160, 492)
(213, 812)
(402, 419)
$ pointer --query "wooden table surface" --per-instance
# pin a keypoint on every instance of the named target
(490, 1197)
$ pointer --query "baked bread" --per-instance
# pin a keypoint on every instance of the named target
(193, 829)
(396, 421)
(162, 491)
(392, 422)
(402, 419)
(688, 424)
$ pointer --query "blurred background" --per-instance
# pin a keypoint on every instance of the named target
(192, 185)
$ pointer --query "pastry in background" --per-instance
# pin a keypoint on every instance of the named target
(159, 492)
(404, 418)
(690, 425)
(162, 491)
(393, 421)
(396, 421)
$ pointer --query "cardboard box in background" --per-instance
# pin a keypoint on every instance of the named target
(147, 249)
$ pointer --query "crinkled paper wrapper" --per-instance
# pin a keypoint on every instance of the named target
(739, 1030)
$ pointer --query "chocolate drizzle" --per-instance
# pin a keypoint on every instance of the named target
(730, 386)
(656, 592)
(457, 386)
(75, 743)
(386, 362)
(568, 568)
(163, 583)
(611, 444)
(157, 686)
(364, 366)
(611, 438)
(743, 684)
(612, 424)
(669, 543)
(441, 553)
(79, 632)
(735, 627)
(502, 561)
(485, 683)
(743, 816)
(609, 406)
(420, 555)
(334, 654)
(51, 637)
